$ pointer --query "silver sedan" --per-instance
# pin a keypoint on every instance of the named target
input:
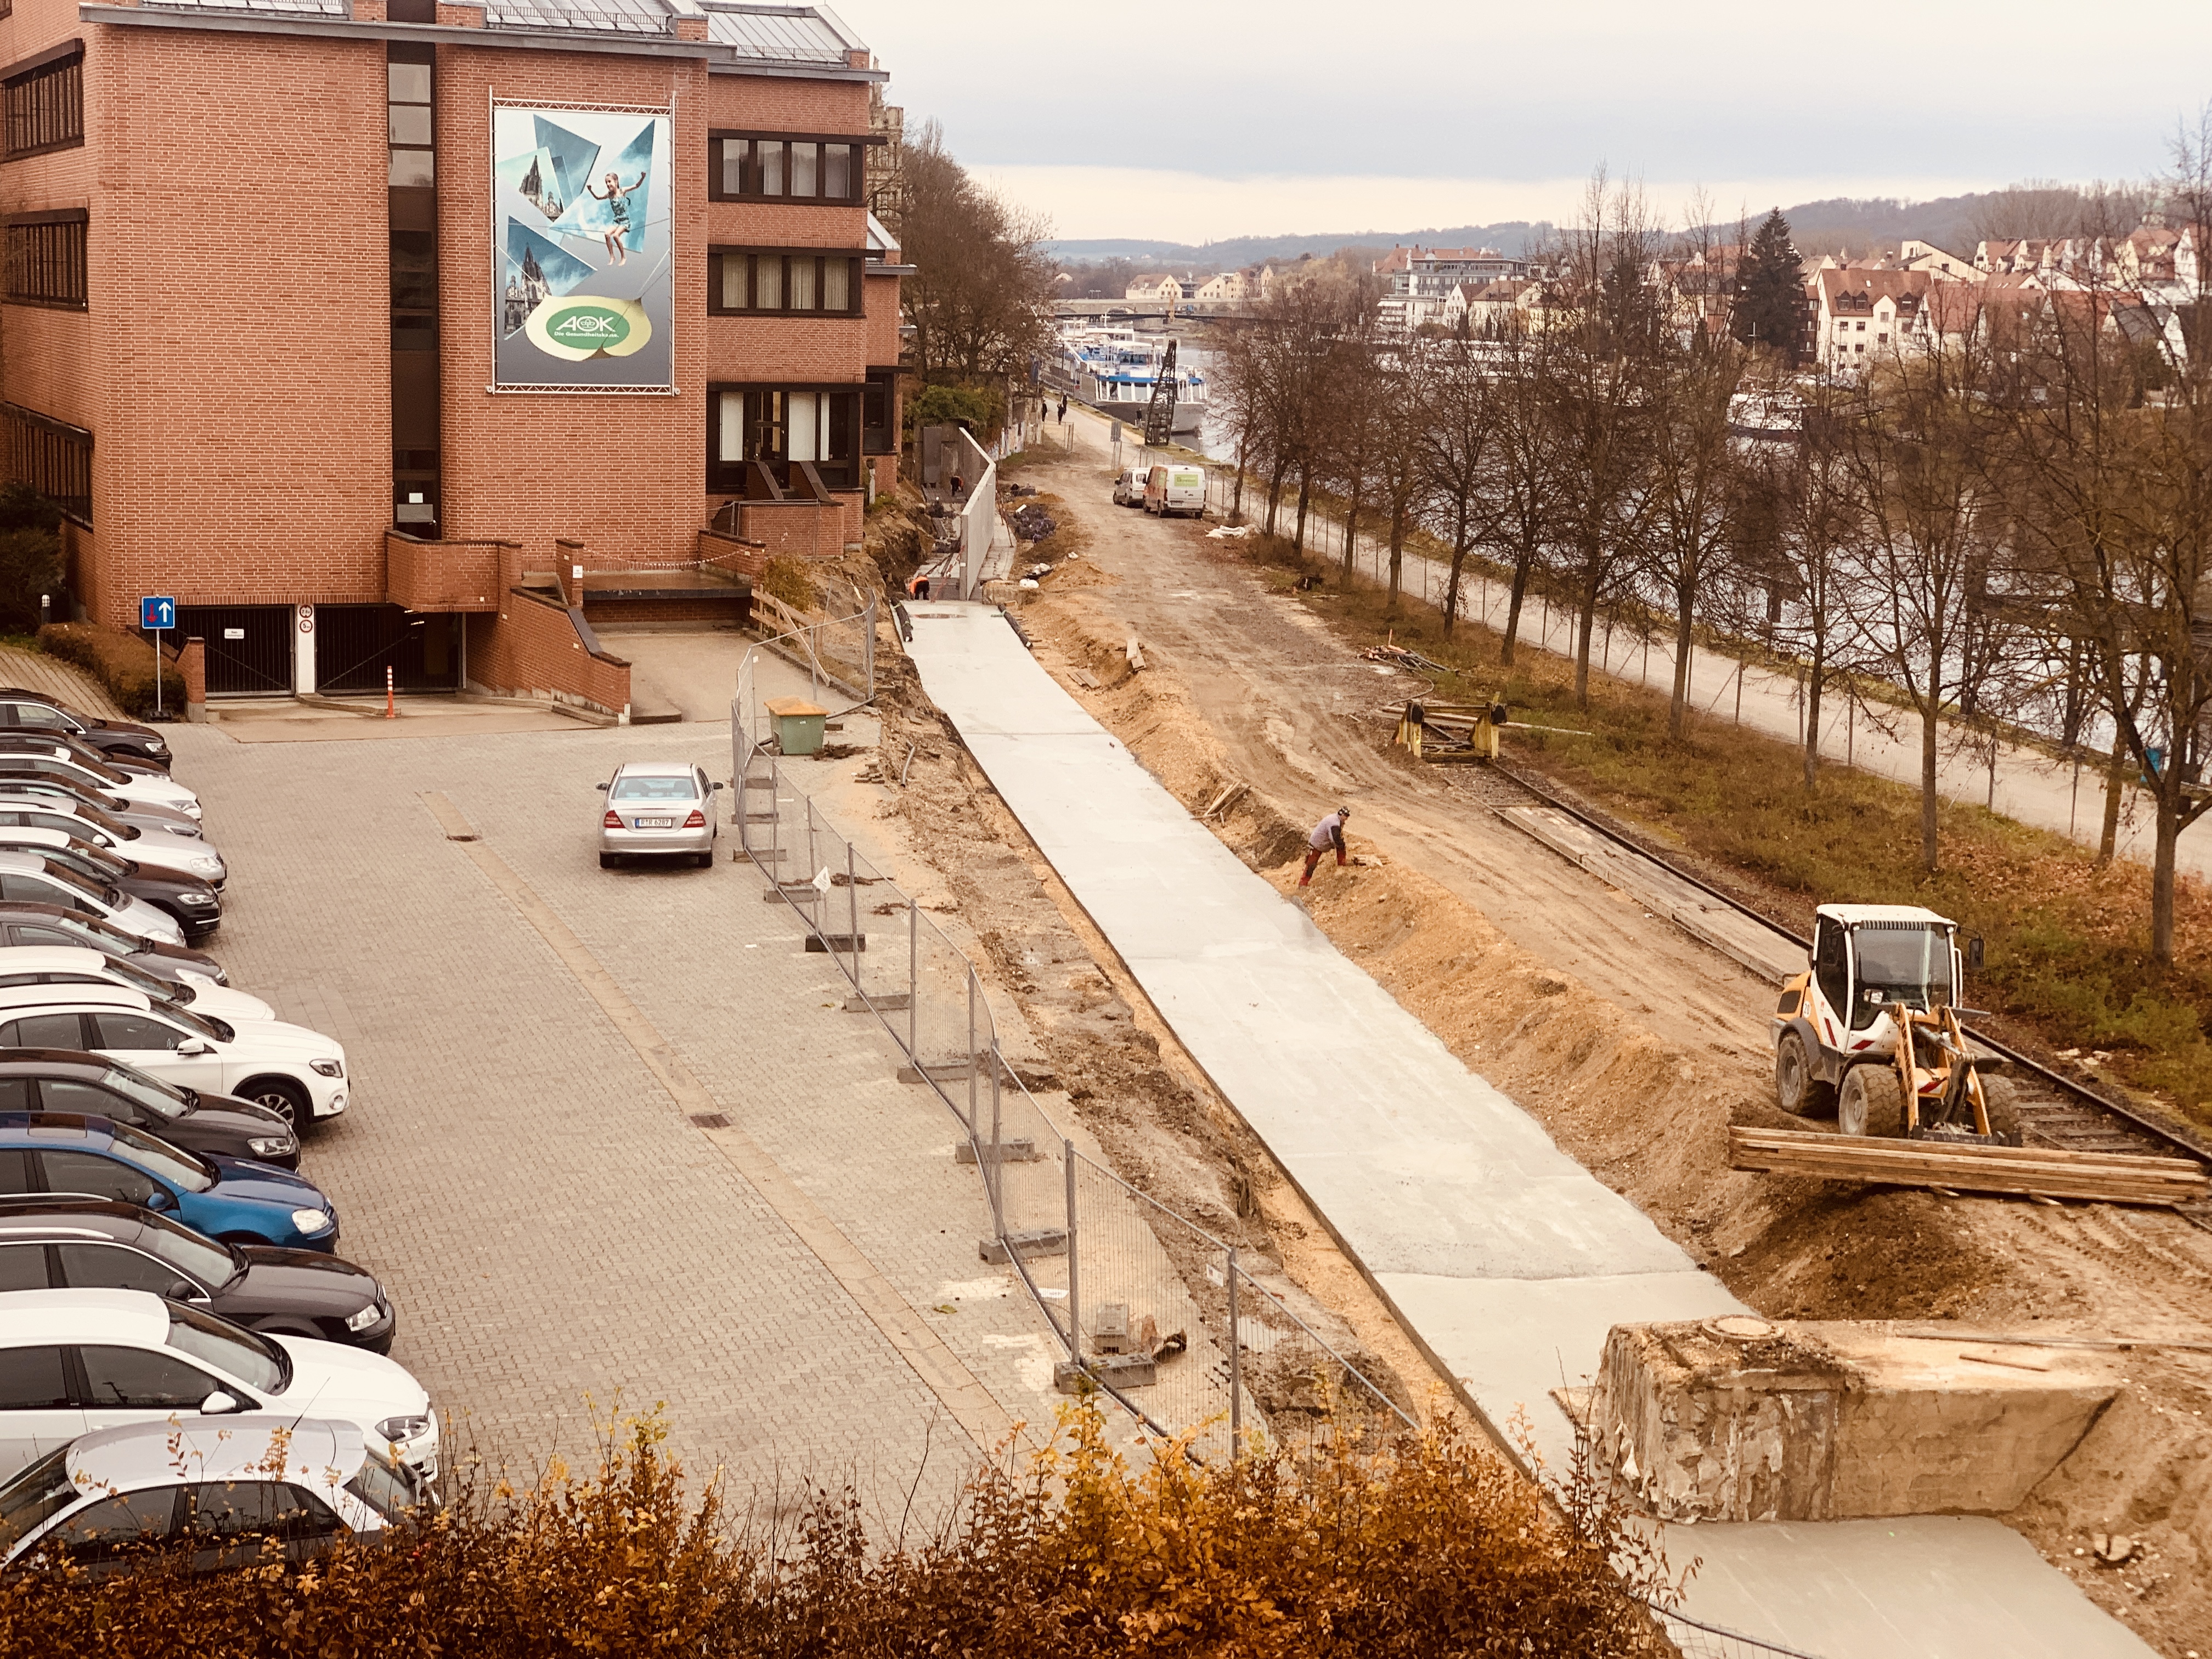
(657, 809)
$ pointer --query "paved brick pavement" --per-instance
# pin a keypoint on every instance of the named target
(550, 1225)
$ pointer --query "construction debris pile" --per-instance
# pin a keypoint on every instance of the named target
(1032, 522)
(1399, 657)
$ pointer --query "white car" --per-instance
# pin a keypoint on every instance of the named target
(29, 876)
(297, 1073)
(211, 1494)
(54, 760)
(84, 1360)
(61, 965)
(185, 856)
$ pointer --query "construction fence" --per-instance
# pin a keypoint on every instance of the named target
(1148, 1309)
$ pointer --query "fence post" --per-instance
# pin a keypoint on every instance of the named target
(971, 1049)
(775, 821)
(868, 646)
(1074, 1301)
(998, 1164)
(1236, 1367)
(852, 915)
(914, 982)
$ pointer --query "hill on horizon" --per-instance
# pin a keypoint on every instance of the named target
(1953, 222)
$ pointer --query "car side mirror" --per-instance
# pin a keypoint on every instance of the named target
(194, 1046)
(718, 784)
(184, 1289)
(159, 1199)
(217, 1403)
(601, 787)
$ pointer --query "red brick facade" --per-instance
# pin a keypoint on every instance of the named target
(233, 361)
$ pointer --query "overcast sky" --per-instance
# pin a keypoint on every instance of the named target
(1273, 117)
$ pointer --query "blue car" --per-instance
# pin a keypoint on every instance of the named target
(232, 1199)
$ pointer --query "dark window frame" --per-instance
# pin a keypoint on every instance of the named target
(855, 257)
(42, 103)
(46, 264)
(856, 181)
(52, 457)
(726, 478)
(879, 437)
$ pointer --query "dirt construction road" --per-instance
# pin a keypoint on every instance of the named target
(1635, 1044)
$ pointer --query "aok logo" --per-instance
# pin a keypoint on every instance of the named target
(582, 327)
(595, 327)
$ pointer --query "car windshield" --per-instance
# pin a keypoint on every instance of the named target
(163, 1099)
(1903, 961)
(385, 1485)
(157, 1157)
(34, 1497)
(251, 1358)
(130, 973)
(651, 789)
(203, 1259)
(214, 1030)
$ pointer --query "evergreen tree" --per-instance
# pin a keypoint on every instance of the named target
(1770, 296)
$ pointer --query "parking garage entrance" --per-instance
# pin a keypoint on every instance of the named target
(249, 647)
(355, 643)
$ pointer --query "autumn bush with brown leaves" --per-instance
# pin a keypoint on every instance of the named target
(1433, 1547)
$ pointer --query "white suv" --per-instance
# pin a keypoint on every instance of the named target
(297, 1073)
(80, 1360)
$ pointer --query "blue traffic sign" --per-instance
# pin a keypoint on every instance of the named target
(157, 611)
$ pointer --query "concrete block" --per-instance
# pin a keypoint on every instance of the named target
(1041, 1240)
(1741, 1419)
(1120, 1371)
(1021, 1149)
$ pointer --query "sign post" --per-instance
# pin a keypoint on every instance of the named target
(157, 612)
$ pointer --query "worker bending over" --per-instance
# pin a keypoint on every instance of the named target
(1328, 833)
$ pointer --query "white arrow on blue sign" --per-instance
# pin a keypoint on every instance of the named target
(157, 611)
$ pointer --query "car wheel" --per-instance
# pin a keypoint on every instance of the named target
(1870, 1101)
(607, 860)
(280, 1096)
(704, 860)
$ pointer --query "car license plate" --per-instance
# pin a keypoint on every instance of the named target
(656, 823)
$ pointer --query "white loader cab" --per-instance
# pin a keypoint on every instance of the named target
(1879, 971)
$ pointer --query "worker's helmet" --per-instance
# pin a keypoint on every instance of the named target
(1344, 811)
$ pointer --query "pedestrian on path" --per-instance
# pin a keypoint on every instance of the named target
(959, 488)
(1063, 411)
(1328, 833)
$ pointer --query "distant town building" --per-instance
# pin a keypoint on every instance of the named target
(1154, 287)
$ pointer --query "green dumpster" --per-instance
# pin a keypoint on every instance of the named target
(798, 725)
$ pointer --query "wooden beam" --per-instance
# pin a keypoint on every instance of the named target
(2030, 1171)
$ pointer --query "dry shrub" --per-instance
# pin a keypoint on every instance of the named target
(788, 581)
(120, 661)
(1434, 1547)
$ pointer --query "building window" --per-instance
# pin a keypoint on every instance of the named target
(780, 425)
(46, 259)
(751, 281)
(45, 103)
(410, 123)
(51, 457)
(762, 166)
(878, 399)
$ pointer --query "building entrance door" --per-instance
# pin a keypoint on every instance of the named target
(354, 643)
(249, 647)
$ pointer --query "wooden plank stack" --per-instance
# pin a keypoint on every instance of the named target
(2033, 1171)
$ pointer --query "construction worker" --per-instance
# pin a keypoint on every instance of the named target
(1328, 833)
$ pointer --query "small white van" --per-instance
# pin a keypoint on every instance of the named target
(1173, 490)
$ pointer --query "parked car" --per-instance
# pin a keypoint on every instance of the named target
(60, 742)
(87, 1243)
(192, 903)
(22, 922)
(1129, 487)
(296, 1072)
(88, 1360)
(74, 1080)
(72, 1156)
(35, 711)
(657, 809)
(33, 878)
(1175, 492)
(184, 855)
(213, 1495)
(61, 965)
(17, 783)
(38, 759)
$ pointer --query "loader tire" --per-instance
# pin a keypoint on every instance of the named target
(1870, 1103)
(1798, 1089)
(2002, 1096)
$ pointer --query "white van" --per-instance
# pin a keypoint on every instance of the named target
(1173, 490)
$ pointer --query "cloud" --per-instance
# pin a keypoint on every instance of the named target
(1179, 206)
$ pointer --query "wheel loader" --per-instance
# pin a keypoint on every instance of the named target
(1871, 1031)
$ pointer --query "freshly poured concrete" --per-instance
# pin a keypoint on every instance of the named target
(1504, 1256)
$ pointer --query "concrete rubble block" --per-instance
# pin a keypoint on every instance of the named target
(1741, 1419)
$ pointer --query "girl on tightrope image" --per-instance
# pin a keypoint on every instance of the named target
(617, 200)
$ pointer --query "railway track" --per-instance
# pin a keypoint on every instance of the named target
(2054, 1110)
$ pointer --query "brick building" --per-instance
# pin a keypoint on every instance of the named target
(346, 322)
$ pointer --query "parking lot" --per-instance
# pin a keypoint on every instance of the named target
(557, 1234)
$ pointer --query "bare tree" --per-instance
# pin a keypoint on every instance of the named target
(1686, 541)
(1458, 438)
(979, 302)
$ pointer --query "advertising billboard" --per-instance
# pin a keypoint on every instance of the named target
(582, 251)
